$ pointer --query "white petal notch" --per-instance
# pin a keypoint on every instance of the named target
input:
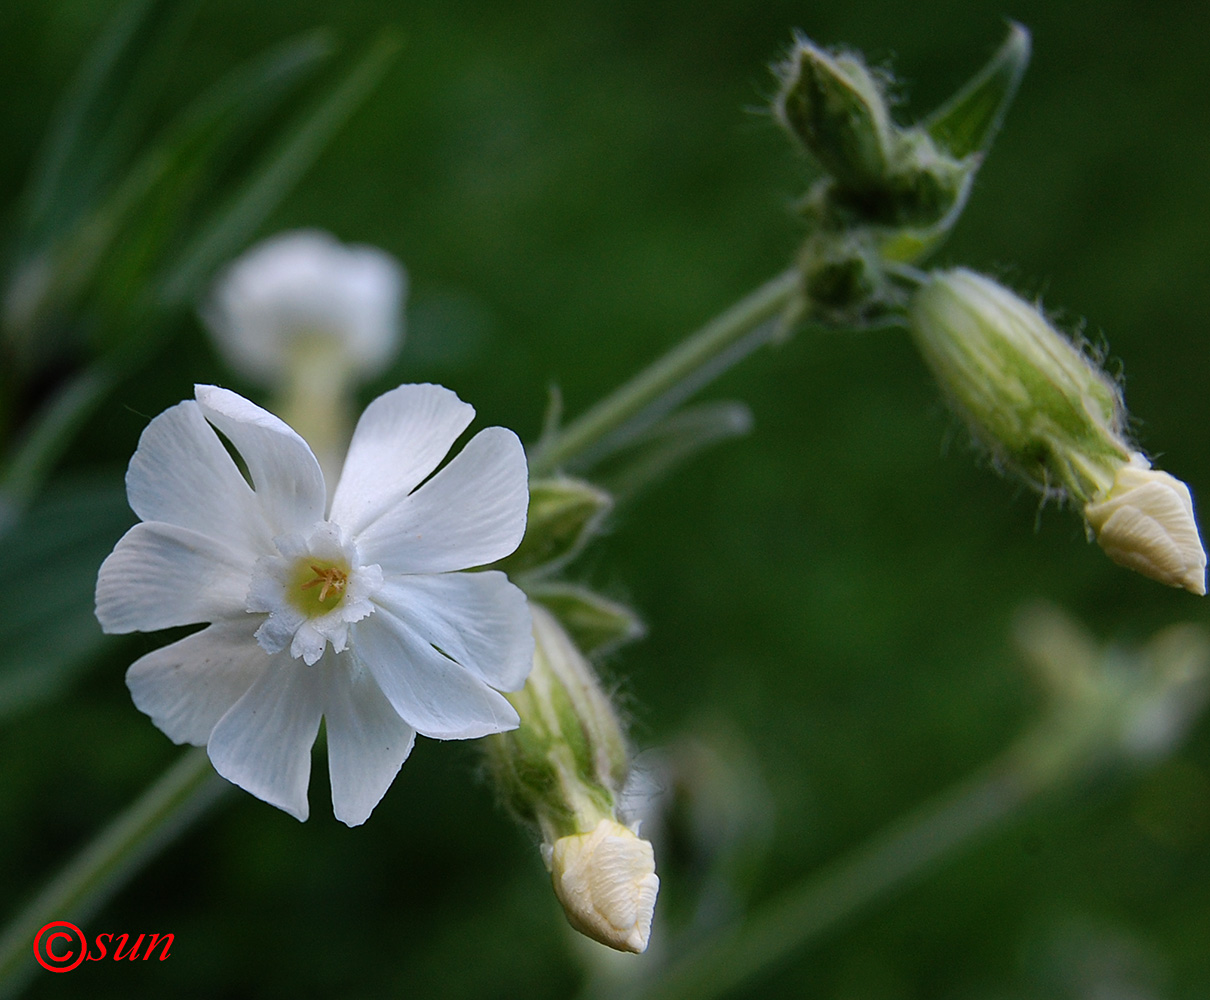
(365, 617)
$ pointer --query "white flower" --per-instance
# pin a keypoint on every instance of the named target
(607, 884)
(305, 291)
(350, 608)
(1145, 522)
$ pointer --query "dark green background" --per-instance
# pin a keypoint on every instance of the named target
(573, 186)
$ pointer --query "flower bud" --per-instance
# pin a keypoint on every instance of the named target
(1047, 412)
(835, 106)
(1145, 522)
(562, 769)
(564, 515)
(607, 884)
(1041, 407)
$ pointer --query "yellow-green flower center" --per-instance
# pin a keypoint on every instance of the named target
(317, 585)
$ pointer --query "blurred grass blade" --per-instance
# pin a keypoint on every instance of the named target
(671, 442)
(148, 211)
(78, 107)
(968, 122)
(55, 551)
(127, 230)
(235, 224)
(51, 430)
(101, 116)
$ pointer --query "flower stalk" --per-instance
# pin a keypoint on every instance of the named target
(756, 319)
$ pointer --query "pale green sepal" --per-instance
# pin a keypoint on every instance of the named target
(563, 766)
(596, 624)
(968, 122)
(564, 515)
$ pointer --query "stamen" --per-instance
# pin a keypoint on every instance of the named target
(331, 578)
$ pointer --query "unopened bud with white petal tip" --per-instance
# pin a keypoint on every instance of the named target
(563, 769)
(607, 884)
(1146, 523)
(1047, 412)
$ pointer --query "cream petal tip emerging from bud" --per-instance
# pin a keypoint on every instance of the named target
(607, 884)
(1145, 522)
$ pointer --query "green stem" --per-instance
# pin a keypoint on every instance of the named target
(890, 860)
(182, 794)
(683, 363)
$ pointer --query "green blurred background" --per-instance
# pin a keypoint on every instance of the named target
(574, 186)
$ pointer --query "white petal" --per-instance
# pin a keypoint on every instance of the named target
(188, 686)
(367, 741)
(289, 486)
(401, 437)
(263, 743)
(181, 474)
(479, 619)
(431, 692)
(159, 575)
(471, 513)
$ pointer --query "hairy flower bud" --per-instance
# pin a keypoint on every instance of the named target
(1041, 407)
(1048, 412)
(563, 769)
(835, 106)
(1145, 522)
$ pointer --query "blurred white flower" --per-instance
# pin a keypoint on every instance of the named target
(304, 291)
(349, 608)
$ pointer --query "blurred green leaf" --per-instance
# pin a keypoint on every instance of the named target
(51, 430)
(100, 114)
(55, 551)
(118, 241)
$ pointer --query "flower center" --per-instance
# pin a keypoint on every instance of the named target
(317, 585)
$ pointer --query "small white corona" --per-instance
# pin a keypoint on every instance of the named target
(1146, 523)
(306, 292)
(607, 884)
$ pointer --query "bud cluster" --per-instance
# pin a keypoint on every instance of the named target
(890, 193)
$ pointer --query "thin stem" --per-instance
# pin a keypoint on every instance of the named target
(890, 860)
(682, 364)
(181, 795)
